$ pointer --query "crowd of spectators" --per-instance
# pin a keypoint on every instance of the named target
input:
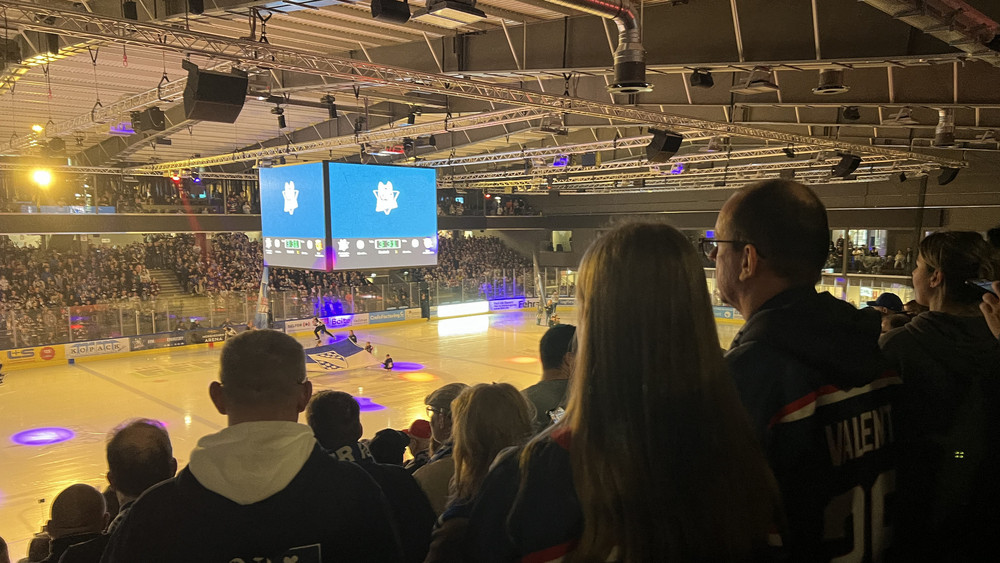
(654, 445)
(133, 198)
(869, 260)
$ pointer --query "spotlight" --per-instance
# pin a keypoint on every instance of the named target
(331, 106)
(789, 152)
(848, 163)
(280, 112)
(701, 78)
(852, 113)
(359, 124)
(42, 177)
(195, 177)
(677, 169)
(37, 128)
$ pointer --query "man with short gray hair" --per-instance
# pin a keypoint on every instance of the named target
(262, 488)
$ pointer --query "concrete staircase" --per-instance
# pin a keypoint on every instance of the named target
(169, 286)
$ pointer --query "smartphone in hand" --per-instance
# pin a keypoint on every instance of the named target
(985, 286)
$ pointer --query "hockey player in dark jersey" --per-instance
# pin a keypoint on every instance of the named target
(809, 372)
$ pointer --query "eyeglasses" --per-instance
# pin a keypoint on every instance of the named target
(431, 411)
(710, 245)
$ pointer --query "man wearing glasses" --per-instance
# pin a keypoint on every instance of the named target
(809, 372)
(435, 477)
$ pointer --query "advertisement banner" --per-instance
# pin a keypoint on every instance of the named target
(507, 304)
(154, 341)
(338, 321)
(97, 347)
(412, 314)
(360, 320)
(31, 356)
(299, 325)
(725, 312)
(201, 335)
(380, 317)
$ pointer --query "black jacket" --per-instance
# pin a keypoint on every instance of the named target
(949, 428)
(330, 512)
(810, 374)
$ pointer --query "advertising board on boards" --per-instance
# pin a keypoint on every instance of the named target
(97, 347)
(31, 355)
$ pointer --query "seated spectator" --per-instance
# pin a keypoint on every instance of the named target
(557, 364)
(139, 456)
(887, 303)
(262, 488)
(488, 418)
(335, 418)
(949, 408)
(655, 459)
(388, 446)
(78, 515)
(434, 478)
(420, 444)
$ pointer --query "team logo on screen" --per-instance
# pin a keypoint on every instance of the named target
(291, 198)
(385, 198)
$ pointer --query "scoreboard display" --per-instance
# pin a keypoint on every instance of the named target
(338, 216)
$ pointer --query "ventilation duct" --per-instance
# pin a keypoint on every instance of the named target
(944, 133)
(630, 57)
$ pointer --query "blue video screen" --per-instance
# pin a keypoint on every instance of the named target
(382, 216)
(293, 216)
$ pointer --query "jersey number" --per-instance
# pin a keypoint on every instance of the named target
(844, 520)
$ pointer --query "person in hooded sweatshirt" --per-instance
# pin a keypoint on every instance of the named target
(809, 372)
(262, 488)
(949, 407)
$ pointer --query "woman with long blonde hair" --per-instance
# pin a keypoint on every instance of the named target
(486, 419)
(655, 459)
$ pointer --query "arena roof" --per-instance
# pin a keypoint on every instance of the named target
(495, 101)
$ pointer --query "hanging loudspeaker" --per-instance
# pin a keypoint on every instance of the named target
(130, 10)
(947, 175)
(214, 96)
(196, 6)
(848, 163)
(663, 146)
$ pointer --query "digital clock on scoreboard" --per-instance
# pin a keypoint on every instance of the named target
(387, 244)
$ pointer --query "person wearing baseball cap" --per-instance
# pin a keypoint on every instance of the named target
(420, 444)
(434, 478)
(887, 303)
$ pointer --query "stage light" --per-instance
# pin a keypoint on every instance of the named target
(331, 106)
(37, 128)
(42, 177)
(701, 78)
(789, 152)
(390, 11)
(195, 177)
(280, 112)
(677, 168)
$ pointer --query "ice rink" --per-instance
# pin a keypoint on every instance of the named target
(91, 397)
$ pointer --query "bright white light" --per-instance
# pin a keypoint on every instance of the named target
(42, 177)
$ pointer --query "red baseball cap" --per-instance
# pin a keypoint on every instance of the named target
(419, 429)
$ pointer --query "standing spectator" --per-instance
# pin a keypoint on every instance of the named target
(949, 407)
(262, 488)
(808, 370)
(78, 515)
(435, 477)
(335, 418)
(139, 456)
(654, 460)
(557, 365)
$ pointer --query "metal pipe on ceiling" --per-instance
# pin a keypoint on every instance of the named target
(630, 56)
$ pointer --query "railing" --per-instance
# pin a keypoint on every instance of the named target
(130, 317)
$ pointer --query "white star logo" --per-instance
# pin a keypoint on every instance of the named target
(385, 198)
(291, 198)
(343, 244)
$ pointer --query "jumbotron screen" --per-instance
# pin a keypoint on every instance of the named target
(293, 216)
(382, 216)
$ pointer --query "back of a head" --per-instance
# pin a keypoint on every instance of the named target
(78, 509)
(993, 236)
(139, 456)
(555, 345)
(787, 223)
(487, 418)
(654, 416)
(262, 367)
(961, 256)
(335, 419)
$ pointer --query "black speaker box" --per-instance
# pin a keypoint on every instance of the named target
(848, 163)
(663, 146)
(213, 96)
(947, 175)
(10, 51)
(588, 159)
(50, 43)
(130, 10)
(390, 11)
(196, 6)
(150, 119)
